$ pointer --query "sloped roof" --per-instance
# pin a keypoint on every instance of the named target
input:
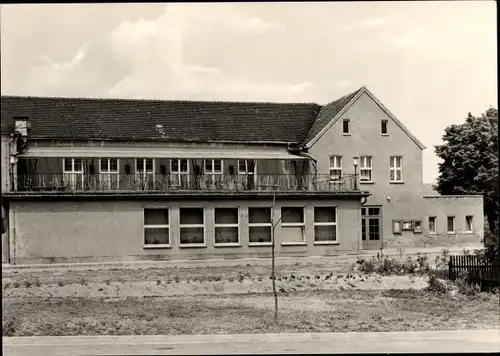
(176, 121)
(328, 112)
(192, 121)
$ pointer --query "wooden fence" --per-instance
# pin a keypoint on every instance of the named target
(475, 270)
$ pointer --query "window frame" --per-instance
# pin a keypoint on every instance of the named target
(454, 224)
(72, 174)
(395, 169)
(335, 223)
(269, 224)
(335, 168)
(107, 174)
(179, 172)
(237, 225)
(293, 224)
(344, 122)
(432, 232)
(366, 217)
(386, 133)
(156, 226)
(246, 171)
(362, 160)
(187, 226)
(471, 231)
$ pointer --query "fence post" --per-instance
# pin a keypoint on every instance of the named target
(450, 267)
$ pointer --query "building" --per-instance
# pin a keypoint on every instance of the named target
(111, 179)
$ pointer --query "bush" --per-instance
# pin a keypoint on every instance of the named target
(385, 265)
(436, 286)
(9, 327)
(466, 288)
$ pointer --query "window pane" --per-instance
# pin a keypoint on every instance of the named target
(113, 165)
(366, 175)
(335, 174)
(373, 211)
(156, 216)
(191, 235)
(391, 162)
(292, 214)
(324, 214)
(217, 165)
(156, 236)
(325, 233)
(208, 165)
(259, 234)
(191, 216)
(345, 126)
(432, 224)
(226, 235)
(374, 229)
(451, 224)
(393, 175)
(259, 215)
(175, 165)
(399, 162)
(242, 166)
(184, 165)
(140, 165)
(226, 215)
(363, 229)
(78, 165)
(149, 165)
(104, 165)
(398, 175)
(68, 164)
(468, 223)
(363, 211)
(384, 126)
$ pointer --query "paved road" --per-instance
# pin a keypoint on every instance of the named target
(420, 342)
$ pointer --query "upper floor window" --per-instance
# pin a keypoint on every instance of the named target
(144, 165)
(365, 165)
(246, 166)
(383, 127)
(108, 168)
(396, 169)
(335, 168)
(213, 168)
(345, 126)
(73, 172)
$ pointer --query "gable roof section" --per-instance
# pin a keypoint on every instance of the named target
(330, 113)
(183, 121)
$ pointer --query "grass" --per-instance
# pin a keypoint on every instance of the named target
(337, 311)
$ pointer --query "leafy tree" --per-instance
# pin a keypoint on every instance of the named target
(470, 165)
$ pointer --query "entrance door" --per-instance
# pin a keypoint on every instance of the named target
(371, 227)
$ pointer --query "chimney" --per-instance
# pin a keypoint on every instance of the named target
(22, 125)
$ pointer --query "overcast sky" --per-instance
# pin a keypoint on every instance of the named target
(430, 63)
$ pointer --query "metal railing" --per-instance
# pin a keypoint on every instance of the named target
(79, 182)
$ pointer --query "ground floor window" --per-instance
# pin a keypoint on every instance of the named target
(259, 225)
(432, 224)
(293, 225)
(468, 223)
(192, 226)
(451, 224)
(226, 226)
(325, 224)
(156, 227)
(371, 223)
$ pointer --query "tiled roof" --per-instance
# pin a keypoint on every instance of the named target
(182, 121)
(328, 112)
(193, 121)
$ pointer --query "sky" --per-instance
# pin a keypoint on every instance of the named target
(429, 63)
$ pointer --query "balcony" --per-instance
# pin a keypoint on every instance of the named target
(178, 183)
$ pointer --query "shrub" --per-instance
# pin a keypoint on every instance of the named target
(466, 288)
(9, 327)
(436, 286)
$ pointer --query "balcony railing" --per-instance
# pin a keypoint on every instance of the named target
(79, 182)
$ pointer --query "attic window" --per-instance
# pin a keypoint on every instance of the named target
(345, 126)
(383, 127)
